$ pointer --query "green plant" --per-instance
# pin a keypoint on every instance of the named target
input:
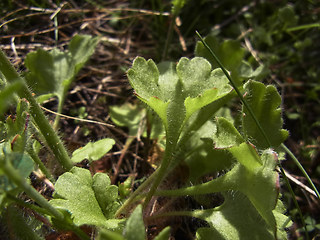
(52, 72)
(190, 98)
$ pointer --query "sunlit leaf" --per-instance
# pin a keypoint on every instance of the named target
(93, 150)
(265, 102)
(235, 219)
(175, 92)
(87, 198)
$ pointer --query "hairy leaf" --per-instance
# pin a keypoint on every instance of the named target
(81, 48)
(91, 201)
(235, 219)
(50, 71)
(265, 102)
(226, 135)
(259, 182)
(176, 92)
(200, 155)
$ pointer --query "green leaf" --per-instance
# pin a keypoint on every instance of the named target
(93, 151)
(226, 135)
(135, 229)
(235, 219)
(229, 52)
(81, 48)
(84, 197)
(177, 5)
(7, 94)
(20, 161)
(52, 72)
(259, 181)
(128, 115)
(287, 16)
(144, 77)
(264, 102)
(175, 92)
(164, 234)
(201, 157)
(105, 194)
(247, 155)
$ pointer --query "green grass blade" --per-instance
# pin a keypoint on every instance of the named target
(296, 161)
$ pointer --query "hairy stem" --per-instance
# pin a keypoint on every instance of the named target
(159, 177)
(52, 139)
(136, 193)
(15, 177)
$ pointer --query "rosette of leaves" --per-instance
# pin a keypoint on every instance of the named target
(176, 91)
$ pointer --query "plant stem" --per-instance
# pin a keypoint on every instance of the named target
(296, 161)
(40, 164)
(15, 177)
(295, 203)
(169, 37)
(52, 139)
(136, 193)
(159, 177)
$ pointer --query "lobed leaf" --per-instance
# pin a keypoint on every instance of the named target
(201, 157)
(143, 77)
(226, 135)
(235, 219)
(264, 102)
(176, 92)
(258, 183)
(81, 48)
(91, 201)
